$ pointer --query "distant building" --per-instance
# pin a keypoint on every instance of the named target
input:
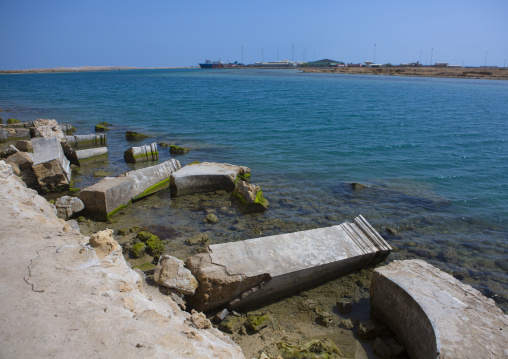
(441, 64)
(283, 64)
(324, 63)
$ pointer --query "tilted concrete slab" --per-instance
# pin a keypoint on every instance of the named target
(85, 141)
(107, 197)
(435, 315)
(51, 167)
(255, 271)
(206, 177)
(152, 179)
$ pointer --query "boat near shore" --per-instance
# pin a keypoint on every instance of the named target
(209, 64)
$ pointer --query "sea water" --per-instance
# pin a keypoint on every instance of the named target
(431, 154)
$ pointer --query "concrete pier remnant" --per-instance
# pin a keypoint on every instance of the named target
(111, 194)
(207, 177)
(142, 154)
(249, 273)
(85, 141)
(436, 316)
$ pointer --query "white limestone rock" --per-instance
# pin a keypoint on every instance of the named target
(171, 273)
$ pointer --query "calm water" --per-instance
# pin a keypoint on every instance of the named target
(432, 152)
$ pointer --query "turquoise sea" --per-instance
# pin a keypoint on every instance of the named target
(431, 153)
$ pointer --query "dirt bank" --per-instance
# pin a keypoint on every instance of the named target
(493, 73)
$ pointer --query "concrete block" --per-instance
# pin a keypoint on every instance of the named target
(86, 141)
(436, 316)
(11, 133)
(152, 179)
(249, 273)
(50, 165)
(206, 177)
(105, 198)
(90, 155)
(142, 154)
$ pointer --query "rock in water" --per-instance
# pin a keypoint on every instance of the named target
(171, 273)
(67, 207)
(249, 197)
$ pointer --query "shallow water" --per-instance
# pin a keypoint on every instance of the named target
(431, 152)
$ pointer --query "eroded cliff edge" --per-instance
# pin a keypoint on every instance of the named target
(61, 298)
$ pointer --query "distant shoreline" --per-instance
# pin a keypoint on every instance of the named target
(490, 73)
(82, 69)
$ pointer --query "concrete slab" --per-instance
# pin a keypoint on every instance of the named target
(206, 177)
(435, 315)
(152, 179)
(89, 155)
(50, 165)
(11, 133)
(142, 154)
(85, 141)
(249, 273)
(105, 198)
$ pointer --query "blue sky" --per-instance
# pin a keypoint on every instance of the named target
(166, 33)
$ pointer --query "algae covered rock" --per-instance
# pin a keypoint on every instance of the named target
(135, 136)
(257, 322)
(177, 150)
(101, 127)
(249, 197)
(201, 239)
(325, 349)
(232, 324)
(155, 247)
(211, 218)
(10, 121)
(138, 250)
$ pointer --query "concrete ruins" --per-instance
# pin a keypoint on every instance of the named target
(435, 315)
(206, 177)
(85, 141)
(89, 155)
(142, 154)
(105, 198)
(249, 273)
(50, 165)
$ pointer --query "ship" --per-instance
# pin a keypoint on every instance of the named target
(209, 64)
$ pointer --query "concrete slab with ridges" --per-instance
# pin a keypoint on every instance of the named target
(142, 153)
(286, 263)
(435, 315)
(92, 154)
(91, 140)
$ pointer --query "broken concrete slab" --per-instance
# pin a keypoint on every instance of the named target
(249, 273)
(142, 154)
(50, 165)
(435, 315)
(24, 145)
(11, 133)
(47, 129)
(105, 198)
(152, 179)
(206, 177)
(85, 141)
(68, 129)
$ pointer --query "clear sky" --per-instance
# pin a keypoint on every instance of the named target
(166, 33)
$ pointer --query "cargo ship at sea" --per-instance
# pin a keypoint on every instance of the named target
(209, 64)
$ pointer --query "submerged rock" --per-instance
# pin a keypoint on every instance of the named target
(249, 197)
(135, 136)
(177, 150)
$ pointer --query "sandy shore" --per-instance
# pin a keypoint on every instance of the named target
(80, 69)
(493, 73)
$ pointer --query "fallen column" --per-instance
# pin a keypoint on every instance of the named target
(91, 155)
(84, 141)
(207, 177)
(252, 272)
(110, 195)
(142, 154)
(50, 166)
(435, 315)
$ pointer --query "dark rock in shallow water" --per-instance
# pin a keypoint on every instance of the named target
(135, 136)
(177, 150)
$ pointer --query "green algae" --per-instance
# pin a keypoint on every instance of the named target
(177, 150)
(257, 322)
(101, 128)
(116, 210)
(155, 246)
(155, 188)
(12, 120)
(138, 250)
(318, 349)
(146, 266)
(135, 136)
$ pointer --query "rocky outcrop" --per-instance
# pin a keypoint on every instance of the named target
(171, 273)
(67, 207)
(48, 129)
(435, 315)
(75, 303)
